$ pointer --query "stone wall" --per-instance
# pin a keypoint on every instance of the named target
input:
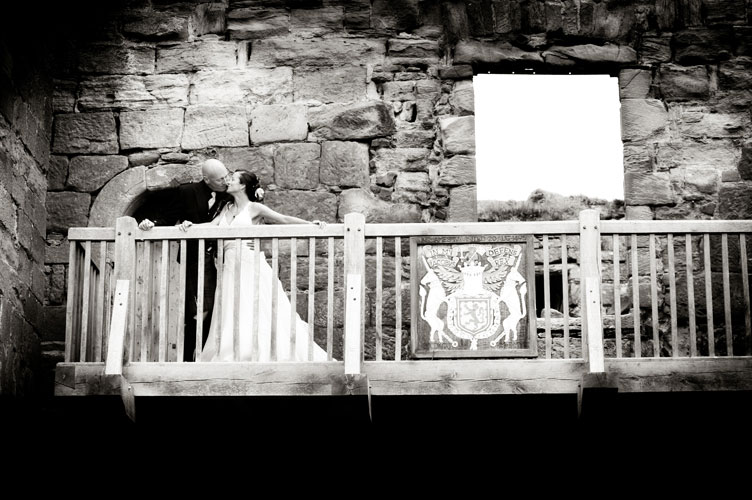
(367, 105)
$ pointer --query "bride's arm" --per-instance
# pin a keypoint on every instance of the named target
(278, 218)
(214, 222)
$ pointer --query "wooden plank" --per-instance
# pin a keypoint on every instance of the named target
(164, 269)
(379, 296)
(654, 296)
(311, 295)
(293, 296)
(275, 305)
(470, 228)
(691, 296)
(182, 274)
(330, 299)
(355, 268)
(174, 329)
(709, 296)
(108, 305)
(114, 363)
(256, 295)
(140, 285)
(155, 301)
(590, 279)
(397, 298)
(565, 292)
(236, 279)
(70, 302)
(594, 322)
(547, 296)
(675, 226)
(126, 230)
(617, 294)
(727, 295)
(636, 297)
(745, 290)
(91, 233)
(85, 302)
(100, 299)
(200, 278)
(672, 297)
(248, 232)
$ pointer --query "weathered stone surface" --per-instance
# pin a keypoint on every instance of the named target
(412, 187)
(363, 120)
(462, 98)
(252, 86)
(376, 210)
(634, 83)
(317, 22)
(327, 85)
(192, 56)
(344, 164)
(701, 45)
(215, 126)
(257, 22)
(308, 205)
(474, 52)
(684, 82)
(89, 173)
(171, 175)
(647, 189)
(579, 54)
(156, 25)
(161, 128)
(638, 213)
(57, 173)
(64, 96)
(638, 158)
(698, 122)
(642, 118)
(743, 38)
(296, 166)
(458, 134)
(56, 250)
(259, 160)
(457, 170)
(298, 52)
(735, 74)
(398, 91)
(456, 72)
(133, 92)
(176, 157)
(85, 133)
(463, 204)
(721, 155)
(116, 59)
(209, 18)
(394, 15)
(118, 197)
(734, 201)
(413, 137)
(400, 160)
(655, 49)
(8, 210)
(67, 209)
(143, 158)
(410, 51)
(278, 122)
(744, 165)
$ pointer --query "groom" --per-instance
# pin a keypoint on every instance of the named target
(197, 202)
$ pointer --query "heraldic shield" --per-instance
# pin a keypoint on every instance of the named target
(472, 298)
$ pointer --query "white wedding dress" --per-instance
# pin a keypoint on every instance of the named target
(224, 315)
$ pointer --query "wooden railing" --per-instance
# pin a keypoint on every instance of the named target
(350, 282)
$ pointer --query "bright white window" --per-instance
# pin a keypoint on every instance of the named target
(559, 133)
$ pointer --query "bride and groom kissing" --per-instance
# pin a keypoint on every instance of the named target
(227, 199)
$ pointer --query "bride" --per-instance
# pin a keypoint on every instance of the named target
(245, 211)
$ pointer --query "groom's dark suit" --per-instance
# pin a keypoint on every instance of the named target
(191, 202)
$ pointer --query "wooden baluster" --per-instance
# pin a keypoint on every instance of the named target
(745, 290)
(71, 302)
(617, 294)
(397, 298)
(200, 295)
(164, 269)
(85, 301)
(590, 256)
(311, 295)
(220, 246)
(654, 296)
(691, 297)
(181, 303)
(355, 291)
(146, 292)
(379, 296)
(727, 296)
(330, 300)
(275, 305)
(672, 297)
(293, 298)
(236, 281)
(636, 298)
(709, 296)
(256, 286)
(547, 296)
(100, 301)
(565, 292)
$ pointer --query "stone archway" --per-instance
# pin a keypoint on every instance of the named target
(127, 191)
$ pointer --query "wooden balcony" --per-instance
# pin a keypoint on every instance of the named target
(643, 306)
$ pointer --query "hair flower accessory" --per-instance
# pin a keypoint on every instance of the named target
(259, 193)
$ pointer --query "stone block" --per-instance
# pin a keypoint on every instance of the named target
(296, 166)
(57, 249)
(117, 197)
(655, 48)
(278, 123)
(321, 21)
(207, 126)
(64, 96)
(87, 133)
(684, 82)
(184, 57)
(116, 59)
(133, 92)
(462, 98)
(259, 160)
(363, 120)
(161, 128)
(638, 213)
(486, 52)
(642, 119)
(734, 201)
(326, 52)
(308, 205)
(458, 134)
(395, 15)
(387, 160)
(89, 173)
(143, 158)
(253, 86)
(328, 85)
(634, 83)
(250, 23)
(700, 123)
(463, 204)
(57, 173)
(344, 164)
(376, 210)
(414, 137)
(156, 25)
(412, 51)
(67, 209)
(171, 175)
(457, 170)
(703, 45)
(647, 188)
(8, 210)
(744, 165)
(589, 54)
(718, 154)
(412, 187)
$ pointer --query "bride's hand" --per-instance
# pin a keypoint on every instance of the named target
(185, 225)
(319, 223)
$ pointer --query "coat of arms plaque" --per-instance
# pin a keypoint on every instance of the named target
(471, 296)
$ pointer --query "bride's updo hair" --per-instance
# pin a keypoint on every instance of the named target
(252, 186)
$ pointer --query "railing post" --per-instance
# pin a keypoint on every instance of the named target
(126, 229)
(355, 285)
(590, 280)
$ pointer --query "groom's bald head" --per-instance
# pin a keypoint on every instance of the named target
(214, 173)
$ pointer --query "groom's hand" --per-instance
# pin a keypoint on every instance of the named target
(145, 225)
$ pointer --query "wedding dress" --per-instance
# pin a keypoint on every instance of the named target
(224, 315)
